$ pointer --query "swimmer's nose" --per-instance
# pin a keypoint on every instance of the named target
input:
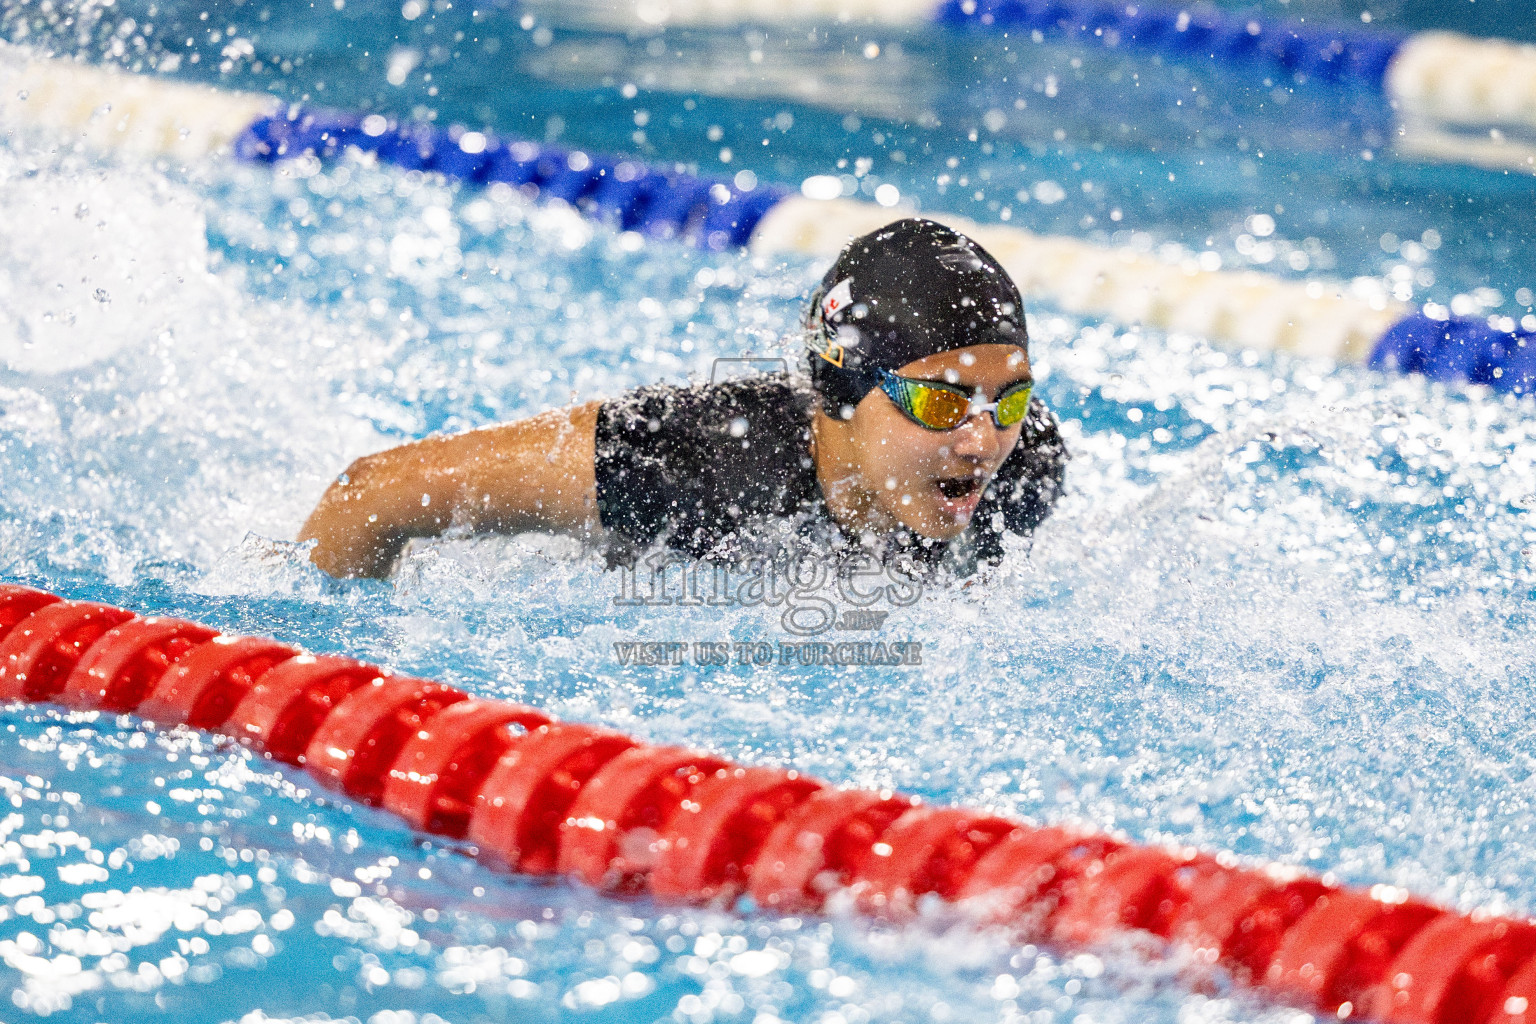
(977, 439)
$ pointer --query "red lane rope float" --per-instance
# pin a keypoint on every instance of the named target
(926, 850)
(433, 782)
(16, 603)
(289, 702)
(619, 823)
(1446, 971)
(1262, 926)
(1219, 912)
(207, 684)
(716, 835)
(822, 846)
(1342, 947)
(1032, 872)
(354, 745)
(1515, 1004)
(117, 672)
(522, 805)
(38, 655)
(1134, 889)
(544, 797)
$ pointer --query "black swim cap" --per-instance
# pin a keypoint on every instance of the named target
(903, 292)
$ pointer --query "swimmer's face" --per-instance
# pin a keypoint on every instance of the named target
(930, 481)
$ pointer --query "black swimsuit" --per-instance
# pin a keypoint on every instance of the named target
(717, 469)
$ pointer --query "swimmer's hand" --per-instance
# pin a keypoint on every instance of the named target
(534, 474)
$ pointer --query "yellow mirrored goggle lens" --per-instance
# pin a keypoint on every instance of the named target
(1013, 406)
(940, 408)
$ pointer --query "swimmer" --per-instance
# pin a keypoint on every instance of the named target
(916, 436)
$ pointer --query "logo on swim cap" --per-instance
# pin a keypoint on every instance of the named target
(837, 300)
(828, 342)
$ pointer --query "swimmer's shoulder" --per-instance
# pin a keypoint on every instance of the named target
(772, 408)
(700, 462)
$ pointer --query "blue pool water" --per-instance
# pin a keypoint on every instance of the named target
(1285, 609)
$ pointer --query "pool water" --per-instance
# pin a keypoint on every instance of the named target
(1285, 609)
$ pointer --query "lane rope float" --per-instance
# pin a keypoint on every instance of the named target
(1349, 322)
(545, 797)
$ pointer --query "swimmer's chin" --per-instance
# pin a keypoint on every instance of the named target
(940, 523)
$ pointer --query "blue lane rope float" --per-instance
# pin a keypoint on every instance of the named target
(1459, 349)
(1351, 322)
(714, 210)
(1352, 57)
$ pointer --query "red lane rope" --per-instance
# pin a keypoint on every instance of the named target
(544, 797)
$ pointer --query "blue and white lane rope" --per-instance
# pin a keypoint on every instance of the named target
(1459, 99)
(1353, 322)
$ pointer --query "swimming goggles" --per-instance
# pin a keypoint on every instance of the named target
(945, 406)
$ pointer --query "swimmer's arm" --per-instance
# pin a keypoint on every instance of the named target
(534, 474)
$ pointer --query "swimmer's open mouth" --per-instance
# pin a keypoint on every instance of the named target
(958, 486)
